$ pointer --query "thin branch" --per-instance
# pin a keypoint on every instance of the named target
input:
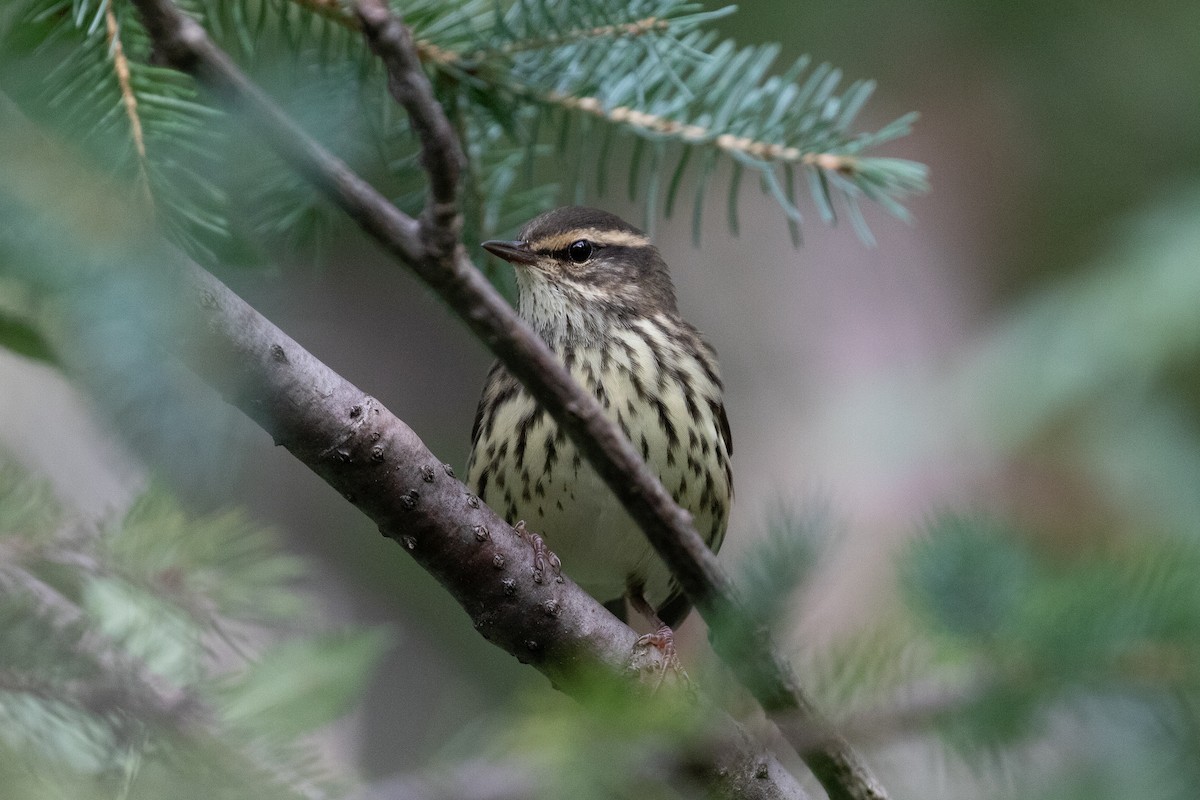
(120, 64)
(183, 43)
(620, 30)
(334, 11)
(691, 133)
(126, 688)
(441, 157)
(132, 686)
(751, 652)
(754, 657)
(913, 710)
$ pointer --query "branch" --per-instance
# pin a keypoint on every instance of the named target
(913, 711)
(127, 683)
(380, 465)
(751, 653)
(441, 157)
(618, 30)
(126, 687)
(120, 64)
(691, 133)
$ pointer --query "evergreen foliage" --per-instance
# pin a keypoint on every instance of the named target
(1065, 644)
(133, 655)
(532, 87)
(86, 65)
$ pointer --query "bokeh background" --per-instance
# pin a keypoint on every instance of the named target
(1025, 347)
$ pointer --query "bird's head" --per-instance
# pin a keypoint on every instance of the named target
(584, 262)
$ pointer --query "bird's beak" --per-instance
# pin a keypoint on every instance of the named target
(517, 252)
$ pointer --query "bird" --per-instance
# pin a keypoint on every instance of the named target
(596, 290)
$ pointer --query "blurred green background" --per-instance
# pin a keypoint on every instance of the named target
(1026, 348)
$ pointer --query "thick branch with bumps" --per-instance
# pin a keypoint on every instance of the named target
(381, 466)
(430, 247)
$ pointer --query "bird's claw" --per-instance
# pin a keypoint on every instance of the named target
(543, 556)
(663, 640)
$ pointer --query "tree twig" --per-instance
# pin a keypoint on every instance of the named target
(125, 688)
(441, 156)
(445, 266)
(127, 684)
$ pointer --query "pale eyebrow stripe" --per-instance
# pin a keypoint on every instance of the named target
(560, 240)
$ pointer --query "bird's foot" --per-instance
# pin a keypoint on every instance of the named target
(668, 663)
(543, 557)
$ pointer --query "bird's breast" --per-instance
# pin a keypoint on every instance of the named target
(665, 400)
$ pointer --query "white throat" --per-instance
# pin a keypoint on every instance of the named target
(555, 312)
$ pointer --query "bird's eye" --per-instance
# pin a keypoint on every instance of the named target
(579, 251)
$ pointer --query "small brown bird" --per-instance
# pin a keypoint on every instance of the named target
(599, 294)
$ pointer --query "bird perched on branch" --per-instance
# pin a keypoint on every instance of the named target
(597, 291)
